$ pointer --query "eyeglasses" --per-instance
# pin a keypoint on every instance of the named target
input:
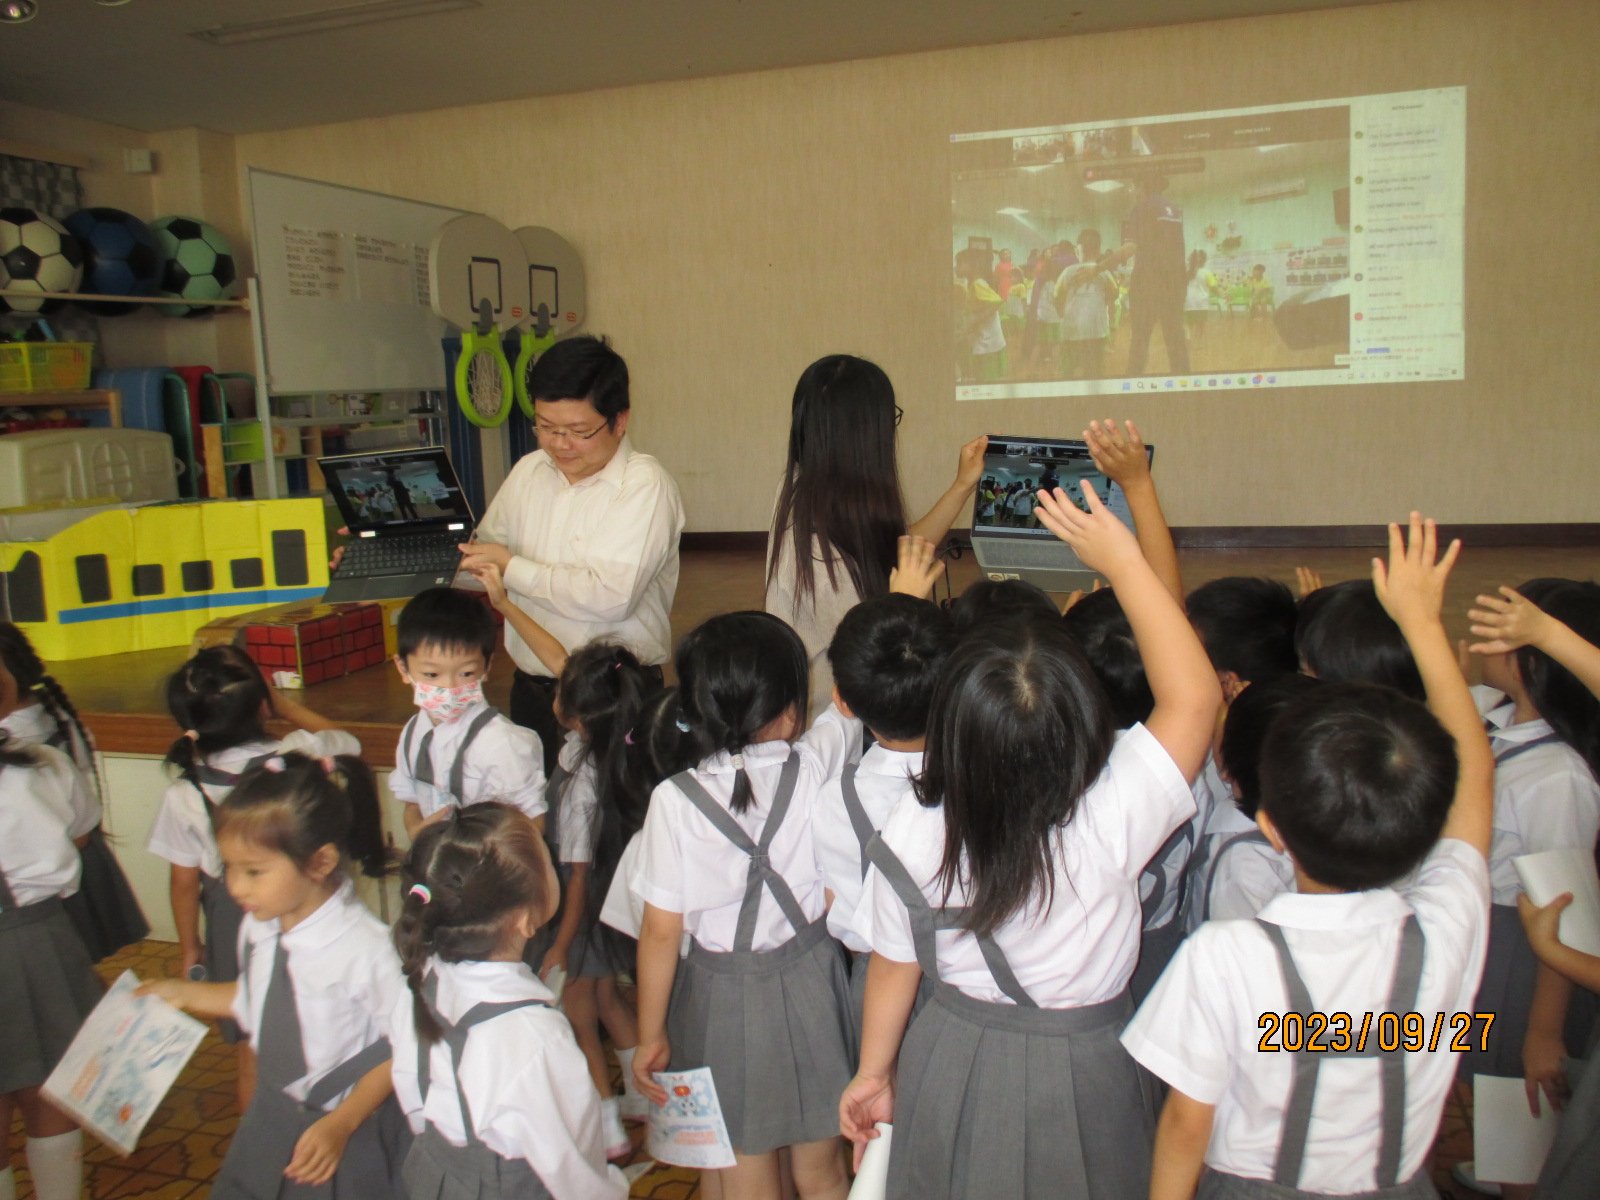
(899, 413)
(551, 432)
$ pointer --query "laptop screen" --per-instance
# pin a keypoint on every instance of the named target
(396, 489)
(1015, 469)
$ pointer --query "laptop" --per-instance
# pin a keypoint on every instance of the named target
(406, 514)
(1008, 540)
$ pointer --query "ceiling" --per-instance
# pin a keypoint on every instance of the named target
(136, 65)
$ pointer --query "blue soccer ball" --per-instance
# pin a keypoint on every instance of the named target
(120, 257)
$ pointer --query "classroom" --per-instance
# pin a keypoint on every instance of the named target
(750, 189)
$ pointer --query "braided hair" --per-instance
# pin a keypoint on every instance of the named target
(465, 877)
(218, 699)
(33, 678)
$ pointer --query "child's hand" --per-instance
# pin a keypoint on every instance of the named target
(1098, 538)
(1506, 622)
(493, 580)
(652, 1055)
(1078, 594)
(1411, 586)
(474, 554)
(1306, 581)
(866, 1100)
(317, 1153)
(969, 466)
(555, 957)
(1543, 924)
(918, 569)
(1120, 456)
(1543, 1070)
(173, 991)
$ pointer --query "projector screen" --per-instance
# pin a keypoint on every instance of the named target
(1295, 245)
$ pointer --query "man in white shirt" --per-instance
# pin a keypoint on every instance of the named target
(584, 530)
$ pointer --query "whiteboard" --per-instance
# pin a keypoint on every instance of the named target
(344, 287)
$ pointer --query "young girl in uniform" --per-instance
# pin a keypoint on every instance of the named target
(318, 983)
(222, 704)
(599, 696)
(726, 856)
(1013, 884)
(47, 985)
(477, 885)
(104, 909)
(1544, 730)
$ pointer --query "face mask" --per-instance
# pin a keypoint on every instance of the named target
(445, 704)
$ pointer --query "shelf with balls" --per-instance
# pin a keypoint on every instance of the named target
(110, 263)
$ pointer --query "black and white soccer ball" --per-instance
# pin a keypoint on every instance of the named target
(198, 265)
(37, 254)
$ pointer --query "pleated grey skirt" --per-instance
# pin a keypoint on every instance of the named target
(1031, 1104)
(104, 909)
(1215, 1185)
(264, 1143)
(595, 954)
(436, 1170)
(47, 988)
(775, 1029)
(1509, 970)
(1572, 1169)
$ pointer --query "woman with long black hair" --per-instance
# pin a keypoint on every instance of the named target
(840, 513)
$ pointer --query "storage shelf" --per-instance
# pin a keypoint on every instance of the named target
(104, 299)
(108, 399)
(381, 419)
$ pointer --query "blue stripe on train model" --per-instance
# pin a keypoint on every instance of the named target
(106, 612)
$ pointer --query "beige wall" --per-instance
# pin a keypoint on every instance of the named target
(734, 229)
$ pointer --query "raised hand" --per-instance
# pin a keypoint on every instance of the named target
(969, 467)
(1506, 622)
(1119, 453)
(1306, 581)
(918, 568)
(1410, 585)
(1098, 538)
(493, 580)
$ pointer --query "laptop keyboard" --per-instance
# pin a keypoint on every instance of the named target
(409, 554)
(1022, 554)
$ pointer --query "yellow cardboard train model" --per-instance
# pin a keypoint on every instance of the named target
(83, 582)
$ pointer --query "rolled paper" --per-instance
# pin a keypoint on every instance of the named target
(872, 1181)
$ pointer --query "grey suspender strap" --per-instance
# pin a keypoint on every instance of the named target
(455, 1038)
(1248, 835)
(926, 921)
(1157, 869)
(422, 763)
(1516, 748)
(859, 821)
(555, 785)
(347, 1074)
(1307, 1063)
(761, 872)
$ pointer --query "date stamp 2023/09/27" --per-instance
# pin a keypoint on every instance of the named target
(1359, 1033)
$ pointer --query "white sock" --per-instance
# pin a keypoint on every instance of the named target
(8, 1184)
(611, 1123)
(625, 1061)
(56, 1164)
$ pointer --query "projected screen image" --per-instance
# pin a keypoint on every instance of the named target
(1305, 244)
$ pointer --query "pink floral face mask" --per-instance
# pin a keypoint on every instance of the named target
(446, 704)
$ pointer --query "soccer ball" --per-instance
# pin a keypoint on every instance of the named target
(120, 257)
(198, 265)
(36, 255)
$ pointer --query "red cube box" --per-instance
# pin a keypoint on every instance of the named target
(317, 641)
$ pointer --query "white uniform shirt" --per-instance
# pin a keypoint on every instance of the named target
(1082, 951)
(623, 910)
(1544, 799)
(882, 781)
(346, 978)
(1201, 1026)
(1245, 878)
(1171, 867)
(686, 865)
(182, 833)
(579, 800)
(527, 1085)
(42, 809)
(505, 762)
(592, 559)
